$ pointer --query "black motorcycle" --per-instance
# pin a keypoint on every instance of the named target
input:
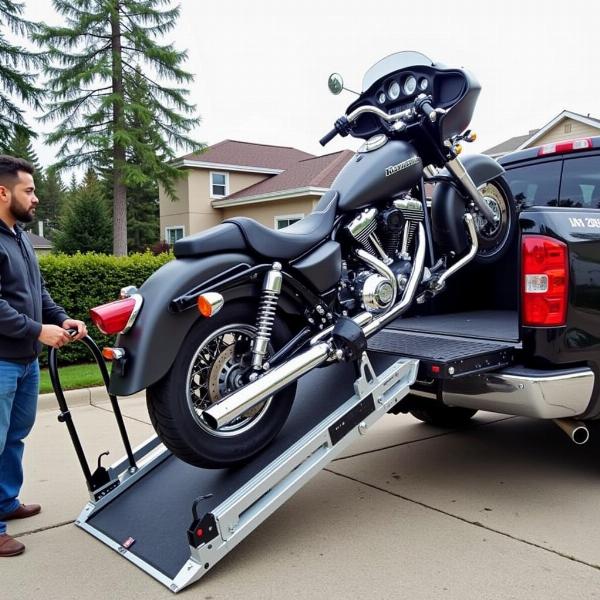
(220, 336)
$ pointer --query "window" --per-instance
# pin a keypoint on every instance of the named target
(535, 184)
(219, 185)
(172, 234)
(580, 186)
(286, 220)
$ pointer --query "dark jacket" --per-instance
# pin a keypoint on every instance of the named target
(24, 302)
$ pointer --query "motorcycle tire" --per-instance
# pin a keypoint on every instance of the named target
(495, 240)
(204, 371)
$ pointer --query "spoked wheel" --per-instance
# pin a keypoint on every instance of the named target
(495, 238)
(214, 362)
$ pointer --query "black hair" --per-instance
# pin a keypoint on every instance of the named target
(10, 167)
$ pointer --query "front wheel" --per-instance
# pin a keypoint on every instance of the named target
(210, 365)
(495, 239)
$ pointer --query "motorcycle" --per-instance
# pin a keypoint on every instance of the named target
(220, 336)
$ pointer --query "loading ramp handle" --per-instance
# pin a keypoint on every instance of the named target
(100, 477)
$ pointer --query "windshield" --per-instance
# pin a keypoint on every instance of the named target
(391, 63)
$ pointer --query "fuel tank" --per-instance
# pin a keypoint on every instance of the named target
(376, 175)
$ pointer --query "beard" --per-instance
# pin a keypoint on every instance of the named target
(20, 213)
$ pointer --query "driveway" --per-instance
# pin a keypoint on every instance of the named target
(505, 509)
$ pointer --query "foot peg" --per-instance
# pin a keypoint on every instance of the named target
(349, 338)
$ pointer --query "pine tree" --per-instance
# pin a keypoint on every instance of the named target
(16, 71)
(85, 223)
(98, 58)
(52, 200)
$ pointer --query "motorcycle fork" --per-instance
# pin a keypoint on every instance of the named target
(265, 318)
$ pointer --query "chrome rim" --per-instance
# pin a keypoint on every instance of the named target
(488, 232)
(214, 372)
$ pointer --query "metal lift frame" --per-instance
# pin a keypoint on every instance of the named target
(213, 534)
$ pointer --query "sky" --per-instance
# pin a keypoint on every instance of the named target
(261, 67)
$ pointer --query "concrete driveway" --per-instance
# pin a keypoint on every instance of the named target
(505, 509)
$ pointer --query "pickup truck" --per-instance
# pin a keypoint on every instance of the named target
(523, 337)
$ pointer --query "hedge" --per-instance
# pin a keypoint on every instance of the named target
(82, 281)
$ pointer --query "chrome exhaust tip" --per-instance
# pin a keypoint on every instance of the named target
(576, 430)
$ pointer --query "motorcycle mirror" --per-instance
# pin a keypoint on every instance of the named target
(335, 83)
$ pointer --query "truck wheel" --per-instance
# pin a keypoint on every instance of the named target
(209, 365)
(440, 415)
(495, 240)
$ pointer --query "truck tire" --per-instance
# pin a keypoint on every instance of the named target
(208, 367)
(495, 240)
(440, 415)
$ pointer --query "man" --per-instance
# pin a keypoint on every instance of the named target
(28, 318)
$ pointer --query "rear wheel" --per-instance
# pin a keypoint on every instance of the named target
(211, 364)
(495, 238)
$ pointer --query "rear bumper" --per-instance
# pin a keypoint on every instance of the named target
(524, 392)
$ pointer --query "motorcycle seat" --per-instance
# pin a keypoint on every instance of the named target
(292, 241)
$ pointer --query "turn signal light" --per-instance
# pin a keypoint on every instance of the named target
(545, 283)
(118, 316)
(210, 304)
(113, 353)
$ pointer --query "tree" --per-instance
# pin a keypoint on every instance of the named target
(16, 79)
(52, 201)
(85, 223)
(96, 63)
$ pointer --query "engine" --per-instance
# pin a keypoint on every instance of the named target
(387, 237)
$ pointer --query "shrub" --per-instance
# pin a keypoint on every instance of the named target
(82, 281)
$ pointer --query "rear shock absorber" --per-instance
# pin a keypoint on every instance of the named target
(266, 315)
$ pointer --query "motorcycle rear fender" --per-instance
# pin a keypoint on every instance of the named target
(153, 342)
(448, 204)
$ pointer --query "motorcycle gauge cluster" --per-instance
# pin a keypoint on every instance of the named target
(394, 90)
(410, 85)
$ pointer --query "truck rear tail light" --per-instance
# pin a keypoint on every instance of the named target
(118, 316)
(565, 146)
(545, 284)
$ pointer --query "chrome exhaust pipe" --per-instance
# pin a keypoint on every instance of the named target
(576, 430)
(319, 352)
(272, 381)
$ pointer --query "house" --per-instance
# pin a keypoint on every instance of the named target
(275, 185)
(565, 126)
(40, 244)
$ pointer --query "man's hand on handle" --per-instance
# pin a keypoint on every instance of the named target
(56, 337)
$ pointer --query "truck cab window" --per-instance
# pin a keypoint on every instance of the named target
(535, 185)
(580, 187)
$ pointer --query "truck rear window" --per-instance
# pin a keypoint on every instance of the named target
(536, 184)
(580, 187)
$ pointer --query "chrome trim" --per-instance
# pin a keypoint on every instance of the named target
(409, 113)
(374, 143)
(139, 300)
(127, 291)
(382, 269)
(467, 258)
(541, 397)
(364, 222)
(457, 169)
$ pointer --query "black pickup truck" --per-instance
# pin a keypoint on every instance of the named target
(522, 338)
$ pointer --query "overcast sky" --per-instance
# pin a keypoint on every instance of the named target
(261, 66)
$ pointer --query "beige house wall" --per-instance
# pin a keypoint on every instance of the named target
(267, 212)
(560, 132)
(192, 209)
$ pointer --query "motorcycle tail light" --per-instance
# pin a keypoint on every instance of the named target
(118, 316)
(545, 281)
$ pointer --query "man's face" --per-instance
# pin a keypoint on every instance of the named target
(23, 200)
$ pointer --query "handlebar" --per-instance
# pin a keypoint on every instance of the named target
(344, 124)
(423, 105)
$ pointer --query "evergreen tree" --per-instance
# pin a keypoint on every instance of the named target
(17, 73)
(97, 60)
(52, 201)
(85, 223)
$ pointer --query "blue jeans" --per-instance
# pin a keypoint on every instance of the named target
(19, 386)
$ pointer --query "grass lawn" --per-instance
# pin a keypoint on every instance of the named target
(73, 377)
